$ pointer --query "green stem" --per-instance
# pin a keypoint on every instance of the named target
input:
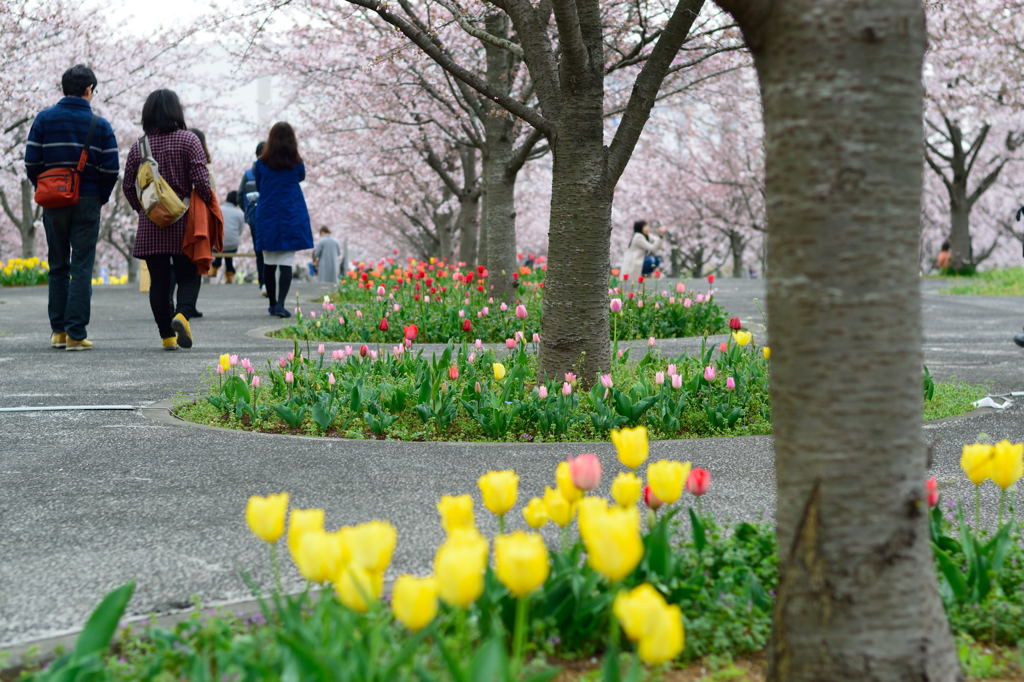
(519, 636)
(501, 523)
(977, 507)
(1002, 504)
(564, 537)
(276, 565)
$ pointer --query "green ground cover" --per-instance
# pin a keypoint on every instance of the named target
(1004, 282)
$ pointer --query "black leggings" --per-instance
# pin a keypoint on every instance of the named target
(165, 274)
(229, 263)
(274, 293)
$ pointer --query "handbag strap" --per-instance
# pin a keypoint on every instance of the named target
(85, 150)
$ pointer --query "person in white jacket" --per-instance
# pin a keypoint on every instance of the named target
(643, 242)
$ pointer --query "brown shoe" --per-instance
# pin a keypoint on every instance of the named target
(84, 344)
(229, 277)
(58, 340)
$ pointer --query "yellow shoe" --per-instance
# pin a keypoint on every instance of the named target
(170, 343)
(84, 344)
(58, 340)
(181, 327)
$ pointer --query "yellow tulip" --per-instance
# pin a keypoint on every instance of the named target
(225, 362)
(767, 353)
(499, 489)
(667, 478)
(631, 444)
(372, 544)
(521, 562)
(626, 489)
(499, 370)
(559, 510)
(358, 588)
(635, 609)
(318, 556)
(265, 516)
(612, 539)
(456, 512)
(665, 637)
(1007, 463)
(300, 522)
(563, 479)
(742, 338)
(414, 601)
(535, 513)
(589, 509)
(976, 461)
(459, 568)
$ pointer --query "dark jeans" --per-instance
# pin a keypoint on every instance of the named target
(259, 267)
(651, 263)
(229, 263)
(71, 235)
(277, 295)
(167, 273)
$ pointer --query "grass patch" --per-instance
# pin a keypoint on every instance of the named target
(953, 398)
(1006, 282)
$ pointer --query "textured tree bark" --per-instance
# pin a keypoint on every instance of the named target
(737, 245)
(26, 221)
(842, 99)
(499, 221)
(469, 208)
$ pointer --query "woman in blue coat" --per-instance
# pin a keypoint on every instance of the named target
(281, 213)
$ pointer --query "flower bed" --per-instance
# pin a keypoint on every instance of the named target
(437, 302)
(466, 393)
(636, 593)
(19, 272)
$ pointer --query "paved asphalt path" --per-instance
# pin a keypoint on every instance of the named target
(91, 499)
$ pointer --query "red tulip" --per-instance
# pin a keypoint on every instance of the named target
(411, 331)
(466, 325)
(698, 482)
(453, 372)
(363, 350)
(711, 279)
(932, 486)
(585, 471)
(383, 326)
(734, 324)
(640, 279)
(650, 499)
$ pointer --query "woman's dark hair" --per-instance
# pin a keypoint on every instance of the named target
(259, 147)
(282, 150)
(639, 225)
(76, 79)
(202, 140)
(945, 245)
(162, 113)
(232, 197)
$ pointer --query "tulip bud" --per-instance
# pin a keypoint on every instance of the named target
(383, 326)
(466, 325)
(414, 601)
(255, 380)
(265, 516)
(536, 337)
(677, 381)
(453, 372)
(616, 305)
(709, 373)
(566, 388)
(521, 562)
(711, 279)
(767, 352)
(606, 380)
(671, 369)
(521, 311)
(698, 481)
(932, 487)
(650, 499)
(585, 471)
(321, 349)
(626, 489)
(289, 378)
(503, 307)
(659, 378)
(730, 384)
(650, 342)
(499, 490)
(535, 513)
(499, 370)
(734, 324)
(220, 369)
(477, 388)
(542, 391)
(330, 379)
(363, 350)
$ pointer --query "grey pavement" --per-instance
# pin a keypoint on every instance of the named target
(89, 500)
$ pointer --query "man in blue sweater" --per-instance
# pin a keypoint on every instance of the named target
(56, 140)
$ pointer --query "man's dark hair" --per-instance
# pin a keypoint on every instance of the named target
(945, 245)
(259, 148)
(232, 197)
(76, 79)
(162, 113)
(324, 230)
(282, 150)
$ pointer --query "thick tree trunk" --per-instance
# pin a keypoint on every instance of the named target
(133, 269)
(737, 245)
(962, 253)
(27, 223)
(468, 224)
(499, 221)
(842, 98)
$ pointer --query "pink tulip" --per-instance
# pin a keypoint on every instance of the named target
(503, 307)
(289, 378)
(700, 298)
(291, 355)
(730, 384)
(671, 369)
(462, 313)
(659, 378)
(680, 287)
(616, 305)
(932, 486)
(396, 307)
(723, 346)
(453, 372)
(570, 377)
(677, 381)
(330, 379)
(536, 337)
(471, 358)
(341, 320)
(359, 314)
(510, 343)
(687, 303)
(233, 360)
(519, 336)
(337, 354)
(640, 304)
(585, 471)
(477, 387)
(650, 342)
(381, 290)
(606, 381)
(542, 392)
(478, 344)
(312, 314)
(566, 388)
(709, 373)
(349, 351)
(698, 482)
(321, 349)
(220, 369)
(426, 299)
(479, 314)
(672, 300)
(485, 310)
(373, 355)
(256, 381)
(521, 311)
(282, 362)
